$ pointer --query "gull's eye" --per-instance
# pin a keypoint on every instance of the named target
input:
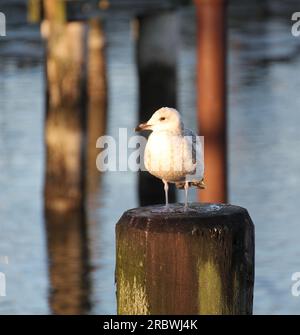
(162, 119)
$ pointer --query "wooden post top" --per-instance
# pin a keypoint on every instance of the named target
(198, 216)
(196, 262)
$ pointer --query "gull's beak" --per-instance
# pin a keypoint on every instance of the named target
(142, 126)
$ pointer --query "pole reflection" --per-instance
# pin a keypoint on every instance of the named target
(69, 269)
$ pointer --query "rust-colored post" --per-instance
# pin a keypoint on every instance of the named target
(211, 92)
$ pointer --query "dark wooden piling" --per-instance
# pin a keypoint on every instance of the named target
(195, 262)
(66, 108)
(157, 42)
(211, 94)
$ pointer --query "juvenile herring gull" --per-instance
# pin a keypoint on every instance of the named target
(173, 153)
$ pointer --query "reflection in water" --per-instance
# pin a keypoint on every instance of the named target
(68, 262)
(97, 100)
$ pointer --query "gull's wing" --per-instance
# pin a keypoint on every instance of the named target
(191, 138)
(194, 152)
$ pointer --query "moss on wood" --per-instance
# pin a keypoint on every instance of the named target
(195, 262)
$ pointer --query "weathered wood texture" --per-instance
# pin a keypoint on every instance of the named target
(157, 41)
(195, 262)
(211, 95)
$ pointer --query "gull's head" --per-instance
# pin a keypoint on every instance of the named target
(164, 119)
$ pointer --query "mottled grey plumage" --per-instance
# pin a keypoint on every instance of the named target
(197, 183)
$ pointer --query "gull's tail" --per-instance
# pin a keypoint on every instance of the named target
(198, 184)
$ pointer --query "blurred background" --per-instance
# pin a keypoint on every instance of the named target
(64, 263)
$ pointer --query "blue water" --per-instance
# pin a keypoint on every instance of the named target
(264, 160)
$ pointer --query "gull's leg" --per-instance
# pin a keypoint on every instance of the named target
(166, 188)
(186, 188)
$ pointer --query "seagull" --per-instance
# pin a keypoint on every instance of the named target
(173, 153)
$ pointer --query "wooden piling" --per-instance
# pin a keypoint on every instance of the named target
(195, 262)
(157, 42)
(66, 108)
(211, 95)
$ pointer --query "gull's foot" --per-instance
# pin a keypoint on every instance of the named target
(166, 209)
(187, 208)
(162, 209)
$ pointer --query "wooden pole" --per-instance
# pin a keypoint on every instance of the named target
(66, 111)
(211, 93)
(195, 262)
(97, 99)
(157, 41)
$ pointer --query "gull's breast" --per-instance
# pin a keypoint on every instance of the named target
(168, 156)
